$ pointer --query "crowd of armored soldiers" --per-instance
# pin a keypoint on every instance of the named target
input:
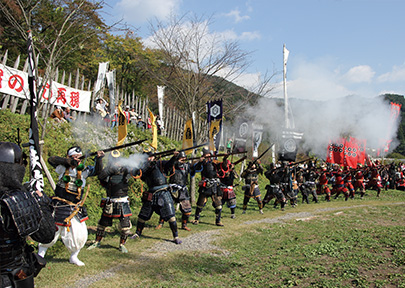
(329, 181)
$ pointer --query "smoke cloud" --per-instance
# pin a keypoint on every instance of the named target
(323, 121)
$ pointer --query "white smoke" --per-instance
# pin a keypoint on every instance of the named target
(323, 121)
(134, 161)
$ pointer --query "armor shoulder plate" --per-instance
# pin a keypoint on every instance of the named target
(25, 211)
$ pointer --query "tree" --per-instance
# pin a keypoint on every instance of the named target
(64, 31)
(128, 56)
(194, 61)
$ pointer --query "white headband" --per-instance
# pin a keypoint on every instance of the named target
(74, 151)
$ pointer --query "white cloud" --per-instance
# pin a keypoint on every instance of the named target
(359, 74)
(397, 74)
(316, 80)
(248, 80)
(235, 14)
(139, 11)
(250, 36)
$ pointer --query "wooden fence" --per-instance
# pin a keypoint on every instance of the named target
(173, 120)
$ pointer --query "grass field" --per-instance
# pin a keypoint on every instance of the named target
(355, 243)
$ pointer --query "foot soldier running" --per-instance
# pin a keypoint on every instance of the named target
(251, 187)
(158, 198)
(116, 206)
(309, 187)
(23, 213)
(375, 181)
(339, 185)
(227, 175)
(274, 190)
(208, 186)
(178, 187)
(70, 215)
(359, 182)
(348, 181)
(323, 184)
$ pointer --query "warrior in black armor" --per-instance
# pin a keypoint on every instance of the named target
(178, 187)
(158, 198)
(115, 179)
(274, 189)
(23, 213)
(227, 175)
(251, 188)
(208, 186)
(70, 215)
(308, 186)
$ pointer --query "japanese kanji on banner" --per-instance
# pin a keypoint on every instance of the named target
(14, 82)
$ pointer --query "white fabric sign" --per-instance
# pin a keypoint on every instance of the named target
(15, 82)
(102, 70)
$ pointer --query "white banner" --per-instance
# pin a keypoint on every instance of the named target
(15, 82)
(256, 138)
(111, 88)
(102, 70)
(161, 94)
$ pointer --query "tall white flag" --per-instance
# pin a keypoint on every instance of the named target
(161, 94)
(110, 75)
(102, 70)
(286, 53)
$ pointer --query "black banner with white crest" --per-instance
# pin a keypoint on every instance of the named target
(288, 144)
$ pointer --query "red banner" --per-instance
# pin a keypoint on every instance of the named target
(347, 152)
(336, 151)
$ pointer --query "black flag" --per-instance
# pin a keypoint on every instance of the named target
(37, 179)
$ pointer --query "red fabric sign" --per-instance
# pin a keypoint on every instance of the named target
(347, 152)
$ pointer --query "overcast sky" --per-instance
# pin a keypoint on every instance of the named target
(337, 47)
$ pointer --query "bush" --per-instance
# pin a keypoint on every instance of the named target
(90, 137)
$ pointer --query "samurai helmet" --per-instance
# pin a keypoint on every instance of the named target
(11, 153)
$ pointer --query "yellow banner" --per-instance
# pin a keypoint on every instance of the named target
(214, 130)
(122, 125)
(188, 137)
(154, 129)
